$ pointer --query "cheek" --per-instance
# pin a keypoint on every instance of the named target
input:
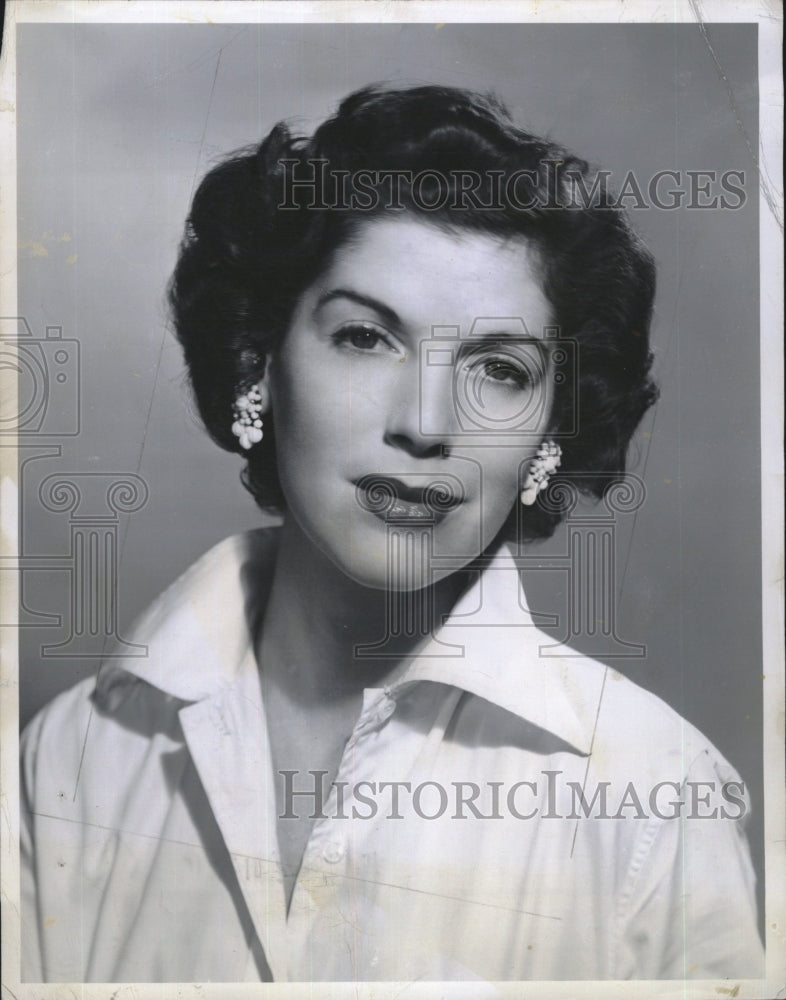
(501, 476)
(502, 480)
(314, 424)
(322, 402)
(297, 395)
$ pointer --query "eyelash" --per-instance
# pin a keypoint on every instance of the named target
(519, 376)
(343, 337)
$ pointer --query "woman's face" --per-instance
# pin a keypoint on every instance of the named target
(409, 394)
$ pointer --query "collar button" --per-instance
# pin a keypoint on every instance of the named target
(333, 852)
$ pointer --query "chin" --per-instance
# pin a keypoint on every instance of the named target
(404, 558)
(401, 561)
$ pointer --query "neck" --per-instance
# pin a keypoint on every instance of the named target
(316, 619)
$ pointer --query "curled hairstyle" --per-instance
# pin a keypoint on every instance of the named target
(255, 241)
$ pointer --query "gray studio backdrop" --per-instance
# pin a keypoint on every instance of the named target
(116, 125)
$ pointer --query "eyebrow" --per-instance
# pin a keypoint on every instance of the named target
(390, 315)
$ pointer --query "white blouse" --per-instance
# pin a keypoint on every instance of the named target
(498, 814)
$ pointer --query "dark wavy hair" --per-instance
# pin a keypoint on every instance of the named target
(245, 260)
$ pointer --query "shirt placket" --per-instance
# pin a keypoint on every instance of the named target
(329, 874)
(227, 737)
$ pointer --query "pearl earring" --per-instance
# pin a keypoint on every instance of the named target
(247, 413)
(541, 469)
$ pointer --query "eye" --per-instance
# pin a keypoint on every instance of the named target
(503, 371)
(361, 337)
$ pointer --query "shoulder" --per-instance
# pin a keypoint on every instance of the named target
(637, 735)
(632, 730)
(197, 633)
(190, 638)
(220, 575)
(61, 723)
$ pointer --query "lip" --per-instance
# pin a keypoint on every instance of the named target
(393, 500)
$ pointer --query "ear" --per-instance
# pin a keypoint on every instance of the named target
(264, 394)
(263, 387)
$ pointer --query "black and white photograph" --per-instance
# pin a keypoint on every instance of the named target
(392, 454)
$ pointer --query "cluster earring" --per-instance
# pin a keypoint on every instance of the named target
(247, 412)
(541, 469)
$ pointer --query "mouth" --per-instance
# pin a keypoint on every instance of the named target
(394, 501)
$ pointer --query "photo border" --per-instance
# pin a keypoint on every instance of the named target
(769, 18)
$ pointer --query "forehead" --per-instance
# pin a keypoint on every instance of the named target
(429, 275)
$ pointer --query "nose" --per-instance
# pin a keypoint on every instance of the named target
(421, 420)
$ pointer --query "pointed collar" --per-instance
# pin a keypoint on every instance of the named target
(199, 637)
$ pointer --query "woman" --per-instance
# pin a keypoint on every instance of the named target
(345, 757)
